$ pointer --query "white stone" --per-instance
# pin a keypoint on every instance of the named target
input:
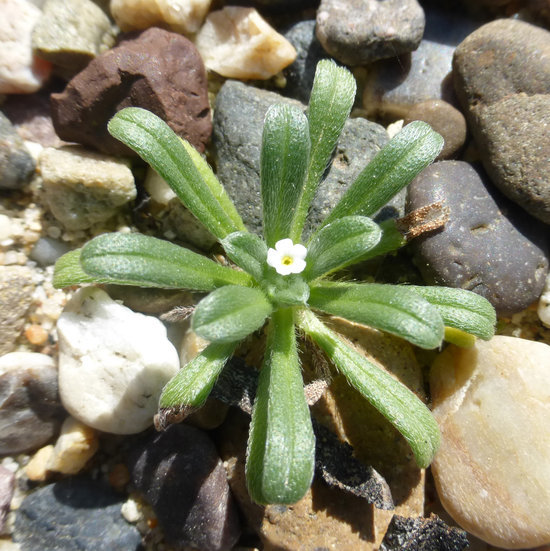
(237, 43)
(183, 16)
(492, 472)
(113, 363)
(157, 188)
(543, 309)
(20, 71)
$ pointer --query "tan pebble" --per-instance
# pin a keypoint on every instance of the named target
(37, 467)
(36, 335)
(237, 43)
(492, 472)
(76, 444)
(119, 476)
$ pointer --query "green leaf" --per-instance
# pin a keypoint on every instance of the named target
(186, 173)
(283, 164)
(290, 290)
(68, 271)
(461, 309)
(403, 409)
(408, 153)
(339, 244)
(190, 387)
(392, 308)
(390, 240)
(329, 107)
(247, 251)
(136, 259)
(230, 313)
(281, 444)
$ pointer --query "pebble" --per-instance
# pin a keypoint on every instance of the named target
(182, 16)
(72, 515)
(357, 32)
(182, 477)
(488, 246)
(543, 310)
(82, 187)
(444, 119)
(47, 250)
(394, 86)
(492, 472)
(70, 33)
(300, 74)
(502, 78)
(16, 164)
(16, 288)
(237, 42)
(157, 70)
(30, 411)
(113, 363)
(238, 123)
(7, 487)
(21, 72)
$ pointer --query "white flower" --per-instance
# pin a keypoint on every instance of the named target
(287, 258)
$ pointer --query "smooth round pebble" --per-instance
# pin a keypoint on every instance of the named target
(47, 250)
(16, 163)
(492, 471)
(489, 245)
(113, 363)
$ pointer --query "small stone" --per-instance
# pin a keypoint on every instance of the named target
(113, 363)
(21, 72)
(543, 310)
(16, 288)
(444, 119)
(488, 246)
(492, 471)
(422, 534)
(83, 188)
(47, 250)
(72, 515)
(182, 477)
(238, 43)
(7, 486)
(75, 446)
(300, 74)
(182, 16)
(30, 411)
(157, 70)
(37, 467)
(16, 163)
(357, 32)
(72, 32)
(237, 135)
(36, 335)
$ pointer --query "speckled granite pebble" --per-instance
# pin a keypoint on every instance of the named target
(488, 245)
(183, 478)
(73, 515)
(357, 32)
(7, 486)
(16, 163)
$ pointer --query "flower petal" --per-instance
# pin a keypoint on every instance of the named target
(273, 258)
(299, 251)
(298, 265)
(284, 246)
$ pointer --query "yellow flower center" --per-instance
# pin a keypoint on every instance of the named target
(287, 260)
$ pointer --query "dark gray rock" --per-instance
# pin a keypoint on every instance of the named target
(16, 163)
(362, 31)
(30, 410)
(488, 246)
(423, 534)
(73, 515)
(237, 138)
(157, 70)
(183, 478)
(7, 486)
(16, 287)
(299, 74)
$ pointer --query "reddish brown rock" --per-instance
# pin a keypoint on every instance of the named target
(156, 69)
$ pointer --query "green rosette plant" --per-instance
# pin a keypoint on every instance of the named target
(285, 283)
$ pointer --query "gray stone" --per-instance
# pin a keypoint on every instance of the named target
(183, 478)
(488, 246)
(16, 163)
(237, 137)
(299, 75)
(7, 486)
(16, 288)
(30, 410)
(47, 250)
(362, 31)
(72, 32)
(72, 515)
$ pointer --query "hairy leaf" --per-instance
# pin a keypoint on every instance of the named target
(247, 251)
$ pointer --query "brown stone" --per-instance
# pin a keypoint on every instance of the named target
(157, 70)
